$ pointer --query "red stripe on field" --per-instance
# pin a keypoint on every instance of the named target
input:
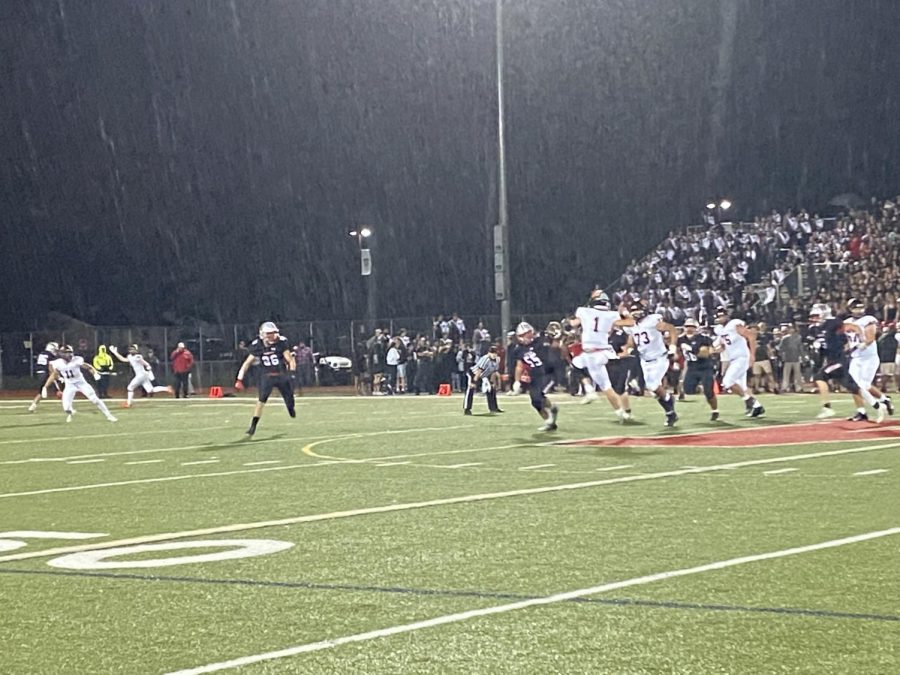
(813, 432)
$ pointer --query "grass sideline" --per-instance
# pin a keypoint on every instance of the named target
(501, 515)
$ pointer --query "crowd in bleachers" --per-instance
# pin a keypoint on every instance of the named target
(768, 272)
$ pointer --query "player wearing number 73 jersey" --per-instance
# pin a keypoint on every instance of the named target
(647, 335)
(277, 367)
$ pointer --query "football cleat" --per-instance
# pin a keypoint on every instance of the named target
(548, 426)
(714, 416)
(112, 418)
(554, 412)
(879, 413)
(859, 417)
(671, 418)
(589, 397)
(32, 407)
(467, 412)
(757, 411)
(888, 405)
(825, 413)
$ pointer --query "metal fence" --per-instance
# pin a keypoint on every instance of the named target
(214, 346)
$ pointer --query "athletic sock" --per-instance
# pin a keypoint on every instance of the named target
(253, 423)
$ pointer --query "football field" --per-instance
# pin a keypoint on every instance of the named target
(395, 535)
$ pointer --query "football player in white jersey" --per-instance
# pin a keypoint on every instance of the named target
(739, 346)
(860, 329)
(67, 368)
(596, 321)
(143, 373)
(651, 337)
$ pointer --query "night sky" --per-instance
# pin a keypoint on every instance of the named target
(165, 160)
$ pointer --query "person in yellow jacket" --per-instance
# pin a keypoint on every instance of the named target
(103, 363)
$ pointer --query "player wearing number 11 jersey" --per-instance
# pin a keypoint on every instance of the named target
(277, 367)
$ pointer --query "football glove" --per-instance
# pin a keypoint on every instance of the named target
(97, 376)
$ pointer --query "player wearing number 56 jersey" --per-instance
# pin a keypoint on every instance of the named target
(739, 345)
(277, 367)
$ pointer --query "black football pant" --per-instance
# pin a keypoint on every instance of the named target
(491, 395)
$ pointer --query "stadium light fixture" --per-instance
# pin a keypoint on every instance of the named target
(710, 205)
(725, 204)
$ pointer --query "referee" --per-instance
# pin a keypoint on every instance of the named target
(482, 372)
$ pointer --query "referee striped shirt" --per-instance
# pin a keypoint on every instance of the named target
(486, 365)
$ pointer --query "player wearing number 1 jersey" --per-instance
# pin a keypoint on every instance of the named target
(596, 321)
(277, 368)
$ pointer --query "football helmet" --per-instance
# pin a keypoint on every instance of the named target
(721, 314)
(554, 329)
(856, 306)
(525, 333)
(691, 323)
(820, 312)
(599, 299)
(268, 332)
(637, 310)
(66, 352)
(52, 347)
(133, 349)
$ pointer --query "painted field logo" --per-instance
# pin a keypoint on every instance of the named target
(787, 434)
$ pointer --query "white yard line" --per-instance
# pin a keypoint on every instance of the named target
(146, 461)
(200, 461)
(46, 439)
(457, 466)
(778, 471)
(85, 461)
(533, 602)
(871, 472)
(264, 462)
(535, 466)
(393, 463)
(614, 468)
(465, 499)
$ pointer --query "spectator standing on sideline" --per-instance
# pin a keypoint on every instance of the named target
(304, 356)
(790, 350)
(391, 361)
(182, 362)
(103, 364)
(887, 344)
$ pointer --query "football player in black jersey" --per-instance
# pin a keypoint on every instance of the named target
(697, 349)
(830, 341)
(534, 372)
(277, 367)
(42, 369)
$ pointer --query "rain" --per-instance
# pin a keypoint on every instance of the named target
(205, 160)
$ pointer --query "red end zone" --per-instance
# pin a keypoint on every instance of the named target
(787, 434)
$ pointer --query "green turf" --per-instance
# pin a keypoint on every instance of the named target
(375, 551)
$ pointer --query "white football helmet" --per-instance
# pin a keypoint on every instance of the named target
(268, 332)
(525, 332)
(52, 347)
(599, 299)
(820, 312)
(66, 352)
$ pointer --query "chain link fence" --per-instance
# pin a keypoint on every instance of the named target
(215, 347)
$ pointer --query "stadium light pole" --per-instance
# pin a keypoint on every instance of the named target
(367, 269)
(502, 285)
